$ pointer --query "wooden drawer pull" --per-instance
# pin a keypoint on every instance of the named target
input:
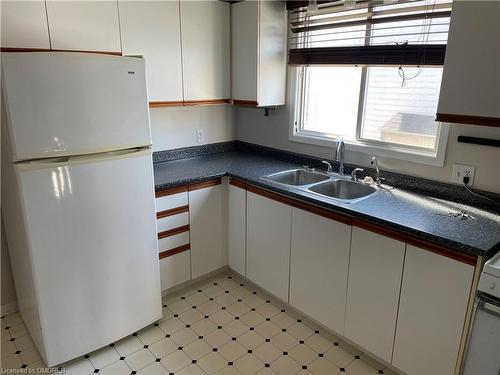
(173, 232)
(172, 211)
(174, 251)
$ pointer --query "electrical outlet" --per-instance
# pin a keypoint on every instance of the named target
(200, 137)
(460, 171)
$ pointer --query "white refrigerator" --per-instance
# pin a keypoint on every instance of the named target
(78, 198)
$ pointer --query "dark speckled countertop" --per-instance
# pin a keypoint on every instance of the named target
(414, 214)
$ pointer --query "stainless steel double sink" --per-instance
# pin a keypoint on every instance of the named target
(327, 185)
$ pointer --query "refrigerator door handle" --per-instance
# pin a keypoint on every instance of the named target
(82, 159)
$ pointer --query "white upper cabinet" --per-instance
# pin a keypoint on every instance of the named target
(205, 28)
(258, 52)
(206, 230)
(84, 25)
(434, 299)
(375, 271)
(24, 24)
(268, 244)
(319, 261)
(236, 228)
(471, 75)
(152, 29)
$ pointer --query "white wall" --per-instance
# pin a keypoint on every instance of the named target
(272, 131)
(175, 127)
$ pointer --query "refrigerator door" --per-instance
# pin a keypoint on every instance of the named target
(67, 103)
(92, 239)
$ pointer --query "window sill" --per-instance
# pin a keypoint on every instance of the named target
(393, 152)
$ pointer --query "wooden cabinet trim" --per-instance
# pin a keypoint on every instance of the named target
(206, 102)
(171, 191)
(172, 211)
(394, 234)
(173, 232)
(175, 250)
(238, 183)
(158, 104)
(204, 184)
(187, 103)
(15, 49)
(468, 119)
(245, 103)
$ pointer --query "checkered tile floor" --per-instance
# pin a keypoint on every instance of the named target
(218, 326)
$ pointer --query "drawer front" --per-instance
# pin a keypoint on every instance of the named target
(172, 242)
(175, 270)
(171, 222)
(168, 202)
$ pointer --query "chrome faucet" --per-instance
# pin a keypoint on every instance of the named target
(378, 179)
(339, 155)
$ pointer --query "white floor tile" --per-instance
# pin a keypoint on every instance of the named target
(322, 366)
(252, 318)
(184, 336)
(339, 356)
(267, 352)
(358, 367)
(303, 354)
(197, 349)
(232, 350)
(191, 316)
(155, 368)
(12, 361)
(117, 368)
(128, 345)
(203, 327)
(217, 338)
(251, 339)
(104, 357)
(150, 335)
(211, 363)
(286, 366)
(235, 328)
(192, 369)
(163, 347)
(213, 291)
(268, 310)
(81, 366)
(176, 361)
(171, 326)
(221, 317)
(248, 364)
(197, 299)
(284, 341)
(319, 343)
(179, 306)
(238, 308)
(209, 308)
(225, 300)
(139, 359)
(267, 329)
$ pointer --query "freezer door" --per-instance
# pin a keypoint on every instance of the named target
(67, 103)
(92, 240)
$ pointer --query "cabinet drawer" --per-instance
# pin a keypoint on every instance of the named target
(175, 270)
(174, 241)
(168, 202)
(171, 222)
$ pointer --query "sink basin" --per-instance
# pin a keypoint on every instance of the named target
(343, 189)
(296, 177)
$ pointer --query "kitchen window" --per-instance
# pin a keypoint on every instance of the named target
(346, 89)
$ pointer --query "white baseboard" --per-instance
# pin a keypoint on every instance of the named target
(9, 308)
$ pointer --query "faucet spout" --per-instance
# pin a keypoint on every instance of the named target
(378, 180)
(339, 155)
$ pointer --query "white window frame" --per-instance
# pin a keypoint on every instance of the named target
(372, 147)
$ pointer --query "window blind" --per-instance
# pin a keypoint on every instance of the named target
(375, 32)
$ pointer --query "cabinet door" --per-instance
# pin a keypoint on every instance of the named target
(470, 84)
(375, 270)
(205, 49)
(84, 25)
(434, 298)
(237, 211)
(268, 244)
(175, 270)
(244, 44)
(206, 221)
(318, 267)
(152, 29)
(24, 24)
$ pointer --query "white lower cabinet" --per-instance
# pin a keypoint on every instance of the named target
(268, 244)
(175, 270)
(236, 223)
(375, 271)
(318, 267)
(206, 229)
(434, 298)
